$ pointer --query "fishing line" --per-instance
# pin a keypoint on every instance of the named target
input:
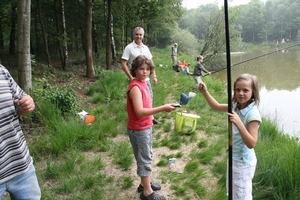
(254, 58)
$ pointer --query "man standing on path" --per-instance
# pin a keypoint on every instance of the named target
(133, 50)
(174, 54)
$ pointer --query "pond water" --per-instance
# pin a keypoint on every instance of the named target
(279, 81)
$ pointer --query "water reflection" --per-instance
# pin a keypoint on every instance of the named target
(278, 75)
(282, 106)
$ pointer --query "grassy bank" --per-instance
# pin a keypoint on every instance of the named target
(76, 161)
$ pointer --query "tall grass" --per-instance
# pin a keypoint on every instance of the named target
(73, 160)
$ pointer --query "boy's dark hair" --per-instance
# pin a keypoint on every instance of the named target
(138, 61)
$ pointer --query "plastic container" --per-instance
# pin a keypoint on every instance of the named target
(184, 99)
(192, 94)
(185, 123)
(172, 162)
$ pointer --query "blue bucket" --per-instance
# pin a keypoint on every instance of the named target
(184, 99)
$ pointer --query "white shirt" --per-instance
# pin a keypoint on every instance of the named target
(132, 51)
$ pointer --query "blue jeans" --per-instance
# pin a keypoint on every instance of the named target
(24, 186)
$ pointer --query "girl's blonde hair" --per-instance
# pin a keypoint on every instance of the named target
(254, 85)
(138, 61)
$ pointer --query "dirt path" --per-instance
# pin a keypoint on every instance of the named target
(112, 170)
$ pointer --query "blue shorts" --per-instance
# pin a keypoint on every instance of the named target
(141, 142)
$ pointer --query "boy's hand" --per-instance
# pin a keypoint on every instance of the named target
(169, 107)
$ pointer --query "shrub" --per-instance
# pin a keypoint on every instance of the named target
(64, 98)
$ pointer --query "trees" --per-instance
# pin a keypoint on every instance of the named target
(60, 26)
(207, 24)
(23, 46)
(90, 72)
(273, 20)
(252, 21)
(109, 35)
(64, 58)
(45, 38)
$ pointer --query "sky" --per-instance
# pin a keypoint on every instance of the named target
(195, 3)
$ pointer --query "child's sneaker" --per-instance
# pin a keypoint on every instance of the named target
(152, 196)
(154, 187)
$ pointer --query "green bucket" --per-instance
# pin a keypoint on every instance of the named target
(185, 123)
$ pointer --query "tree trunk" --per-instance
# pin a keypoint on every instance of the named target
(23, 47)
(44, 33)
(35, 47)
(90, 73)
(113, 45)
(108, 35)
(64, 40)
(12, 39)
(95, 39)
(1, 32)
(58, 32)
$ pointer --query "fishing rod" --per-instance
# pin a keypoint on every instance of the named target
(230, 173)
(254, 58)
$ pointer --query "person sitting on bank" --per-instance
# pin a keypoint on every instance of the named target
(182, 65)
(176, 67)
(186, 70)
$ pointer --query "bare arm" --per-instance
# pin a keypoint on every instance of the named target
(249, 136)
(126, 69)
(154, 77)
(136, 97)
(212, 102)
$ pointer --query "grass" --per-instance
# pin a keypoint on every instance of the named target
(76, 161)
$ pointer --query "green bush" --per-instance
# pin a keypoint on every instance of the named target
(64, 98)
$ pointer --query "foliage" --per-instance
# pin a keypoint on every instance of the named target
(76, 161)
(64, 98)
(187, 42)
(198, 31)
(122, 154)
(206, 23)
(277, 167)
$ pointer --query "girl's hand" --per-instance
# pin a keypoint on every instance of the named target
(202, 87)
(234, 118)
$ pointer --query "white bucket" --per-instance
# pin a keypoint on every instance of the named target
(192, 94)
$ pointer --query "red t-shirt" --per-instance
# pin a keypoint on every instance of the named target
(135, 122)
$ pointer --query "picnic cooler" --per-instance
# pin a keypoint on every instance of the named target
(185, 122)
